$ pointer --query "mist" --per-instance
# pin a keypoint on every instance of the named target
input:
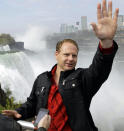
(33, 37)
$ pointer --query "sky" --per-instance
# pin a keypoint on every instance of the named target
(18, 15)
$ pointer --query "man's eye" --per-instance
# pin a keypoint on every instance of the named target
(74, 56)
(66, 54)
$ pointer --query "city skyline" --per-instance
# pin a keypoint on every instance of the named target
(82, 25)
(18, 16)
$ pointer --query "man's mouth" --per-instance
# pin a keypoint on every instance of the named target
(69, 64)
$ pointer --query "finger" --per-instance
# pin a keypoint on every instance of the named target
(99, 15)
(116, 15)
(45, 117)
(18, 115)
(104, 9)
(8, 111)
(5, 111)
(49, 119)
(35, 128)
(110, 9)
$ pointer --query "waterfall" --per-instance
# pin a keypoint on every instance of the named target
(16, 74)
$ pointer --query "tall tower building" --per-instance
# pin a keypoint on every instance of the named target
(120, 20)
(63, 28)
(70, 28)
(83, 22)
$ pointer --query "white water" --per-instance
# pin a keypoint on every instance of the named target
(16, 74)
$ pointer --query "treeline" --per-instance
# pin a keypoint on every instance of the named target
(9, 101)
(6, 39)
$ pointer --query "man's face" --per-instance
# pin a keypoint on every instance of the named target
(67, 57)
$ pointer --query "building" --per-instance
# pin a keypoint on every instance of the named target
(63, 28)
(83, 22)
(70, 28)
(120, 21)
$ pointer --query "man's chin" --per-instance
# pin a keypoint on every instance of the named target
(69, 68)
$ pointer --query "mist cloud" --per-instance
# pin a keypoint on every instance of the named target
(33, 38)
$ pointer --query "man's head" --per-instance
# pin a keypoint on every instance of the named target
(66, 54)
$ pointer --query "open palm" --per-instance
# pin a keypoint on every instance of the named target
(106, 27)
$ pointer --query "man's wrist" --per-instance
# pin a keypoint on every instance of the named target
(106, 43)
(106, 50)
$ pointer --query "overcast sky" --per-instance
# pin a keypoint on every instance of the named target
(18, 15)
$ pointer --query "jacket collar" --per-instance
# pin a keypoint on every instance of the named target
(63, 73)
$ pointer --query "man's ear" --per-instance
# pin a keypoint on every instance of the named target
(56, 53)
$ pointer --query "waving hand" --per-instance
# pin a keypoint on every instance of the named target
(106, 26)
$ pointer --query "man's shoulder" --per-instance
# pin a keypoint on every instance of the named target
(43, 78)
(80, 69)
(77, 72)
(44, 75)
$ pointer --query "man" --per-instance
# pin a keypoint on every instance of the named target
(67, 92)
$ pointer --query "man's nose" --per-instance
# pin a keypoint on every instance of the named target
(70, 57)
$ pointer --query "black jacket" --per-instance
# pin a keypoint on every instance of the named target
(77, 87)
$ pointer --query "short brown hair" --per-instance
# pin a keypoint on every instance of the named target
(60, 43)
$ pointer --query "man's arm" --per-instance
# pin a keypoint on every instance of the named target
(100, 68)
(98, 72)
(28, 109)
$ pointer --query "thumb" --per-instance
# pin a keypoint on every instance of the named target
(94, 26)
(49, 118)
(17, 115)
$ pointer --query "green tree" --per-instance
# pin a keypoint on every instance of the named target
(6, 39)
(10, 102)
